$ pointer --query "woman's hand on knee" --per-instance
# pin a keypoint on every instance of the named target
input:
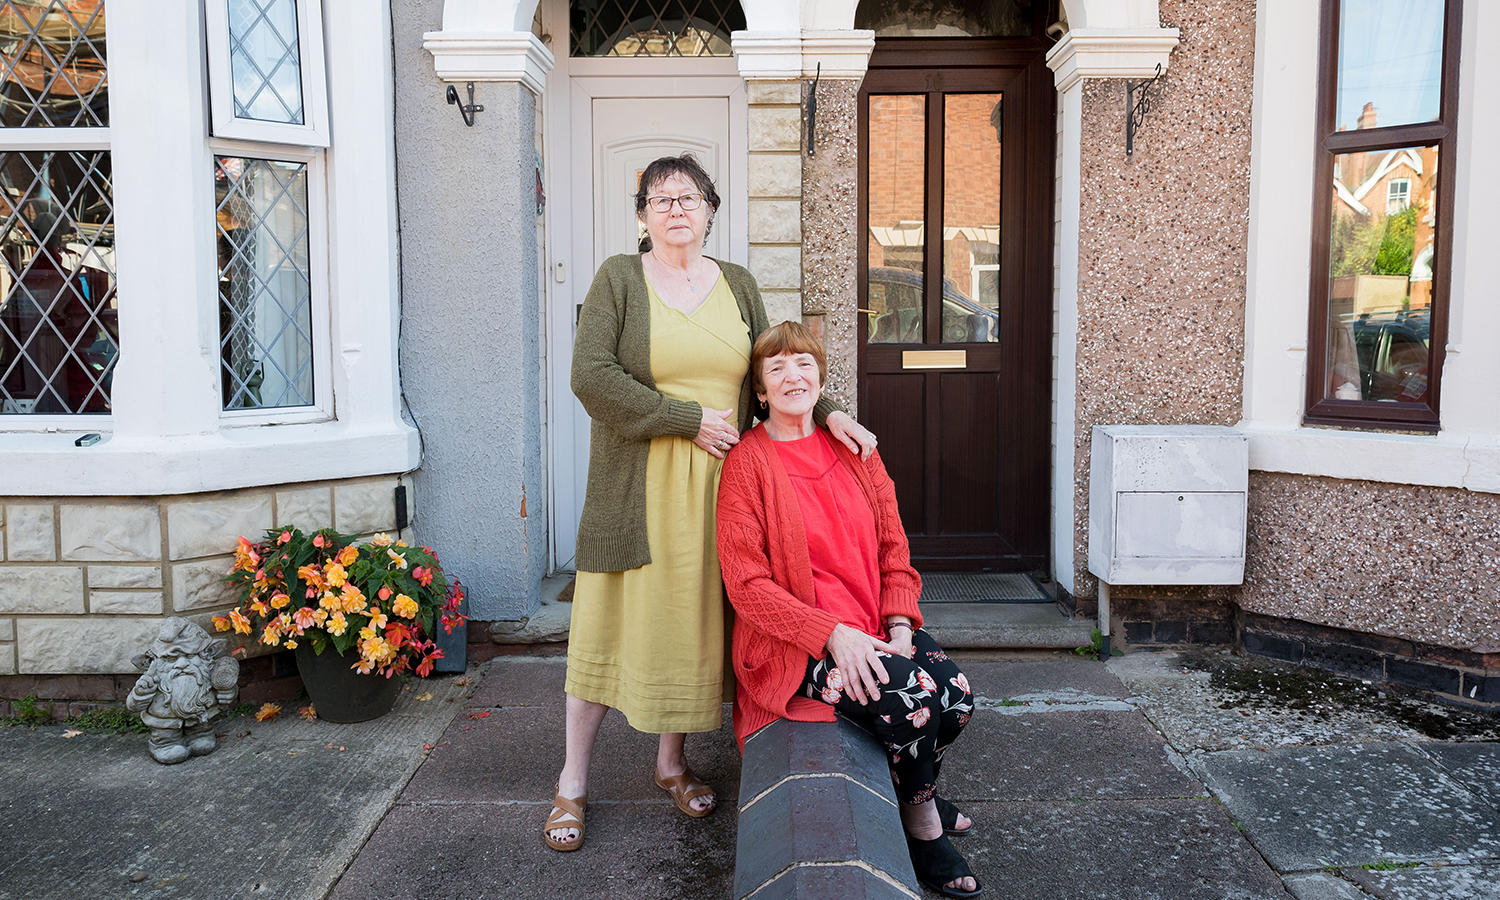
(857, 656)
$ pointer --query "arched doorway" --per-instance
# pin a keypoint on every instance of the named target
(956, 169)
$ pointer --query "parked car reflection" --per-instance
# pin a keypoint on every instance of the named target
(1393, 354)
(896, 296)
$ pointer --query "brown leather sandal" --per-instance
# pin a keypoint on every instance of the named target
(569, 814)
(684, 788)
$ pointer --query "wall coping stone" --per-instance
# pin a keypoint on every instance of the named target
(819, 817)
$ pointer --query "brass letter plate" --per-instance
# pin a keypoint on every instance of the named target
(934, 359)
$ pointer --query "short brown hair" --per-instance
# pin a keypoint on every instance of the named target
(685, 165)
(786, 337)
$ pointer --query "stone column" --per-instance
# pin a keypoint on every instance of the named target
(771, 63)
(471, 349)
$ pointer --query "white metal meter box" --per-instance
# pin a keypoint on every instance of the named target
(1167, 504)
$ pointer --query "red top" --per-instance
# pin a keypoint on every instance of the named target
(840, 526)
(768, 575)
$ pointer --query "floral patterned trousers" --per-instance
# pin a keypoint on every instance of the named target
(920, 711)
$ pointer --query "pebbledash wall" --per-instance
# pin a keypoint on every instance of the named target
(1373, 554)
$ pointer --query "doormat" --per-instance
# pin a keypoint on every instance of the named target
(981, 587)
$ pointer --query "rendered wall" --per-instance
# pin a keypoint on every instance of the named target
(470, 324)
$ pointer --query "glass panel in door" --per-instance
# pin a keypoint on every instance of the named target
(971, 218)
(896, 202)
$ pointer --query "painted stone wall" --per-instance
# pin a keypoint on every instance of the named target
(775, 120)
(471, 338)
(1162, 243)
(830, 221)
(1403, 561)
(86, 581)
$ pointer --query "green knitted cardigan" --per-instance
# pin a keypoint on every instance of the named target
(612, 379)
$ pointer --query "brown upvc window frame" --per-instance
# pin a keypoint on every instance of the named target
(1368, 414)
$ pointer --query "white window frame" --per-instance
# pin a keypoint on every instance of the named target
(1391, 194)
(1466, 451)
(313, 70)
(165, 434)
(321, 409)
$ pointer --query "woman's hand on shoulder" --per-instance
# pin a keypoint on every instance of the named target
(716, 435)
(859, 439)
(857, 656)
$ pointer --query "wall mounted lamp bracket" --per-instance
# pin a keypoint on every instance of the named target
(1136, 107)
(812, 111)
(466, 111)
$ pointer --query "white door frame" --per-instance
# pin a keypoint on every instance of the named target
(568, 244)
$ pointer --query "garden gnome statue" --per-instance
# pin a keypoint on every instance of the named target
(188, 681)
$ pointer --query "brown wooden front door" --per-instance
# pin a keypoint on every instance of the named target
(956, 171)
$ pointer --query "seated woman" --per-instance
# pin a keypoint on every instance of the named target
(815, 562)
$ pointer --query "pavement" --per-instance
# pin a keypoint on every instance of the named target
(1173, 775)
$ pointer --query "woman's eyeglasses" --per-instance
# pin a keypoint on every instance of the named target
(688, 202)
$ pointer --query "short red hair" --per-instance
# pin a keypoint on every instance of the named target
(785, 337)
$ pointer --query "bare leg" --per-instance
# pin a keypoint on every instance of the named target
(584, 719)
(922, 822)
(671, 760)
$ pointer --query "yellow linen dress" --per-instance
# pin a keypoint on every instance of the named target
(652, 641)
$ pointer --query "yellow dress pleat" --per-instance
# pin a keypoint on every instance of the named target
(652, 642)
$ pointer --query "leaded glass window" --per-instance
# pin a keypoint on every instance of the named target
(265, 283)
(654, 27)
(946, 18)
(52, 69)
(266, 71)
(264, 61)
(59, 336)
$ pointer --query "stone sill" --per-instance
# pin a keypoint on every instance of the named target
(1447, 459)
(124, 465)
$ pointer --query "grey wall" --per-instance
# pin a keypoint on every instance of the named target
(470, 341)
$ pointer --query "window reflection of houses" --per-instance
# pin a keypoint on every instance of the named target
(1380, 269)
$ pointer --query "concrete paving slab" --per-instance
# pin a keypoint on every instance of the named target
(277, 811)
(516, 754)
(1322, 886)
(482, 851)
(1004, 679)
(523, 681)
(1476, 882)
(1140, 849)
(1210, 700)
(1474, 765)
(1306, 808)
(1062, 756)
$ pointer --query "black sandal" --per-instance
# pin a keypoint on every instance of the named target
(948, 814)
(936, 863)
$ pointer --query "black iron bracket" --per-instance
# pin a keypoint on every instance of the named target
(1136, 107)
(812, 111)
(466, 111)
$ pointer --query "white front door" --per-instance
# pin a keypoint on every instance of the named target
(615, 128)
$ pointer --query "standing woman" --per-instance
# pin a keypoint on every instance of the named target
(661, 363)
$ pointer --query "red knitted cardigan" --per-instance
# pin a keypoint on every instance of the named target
(768, 576)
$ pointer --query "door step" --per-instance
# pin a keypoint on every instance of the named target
(1005, 626)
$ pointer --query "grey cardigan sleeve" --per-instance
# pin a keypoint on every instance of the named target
(628, 403)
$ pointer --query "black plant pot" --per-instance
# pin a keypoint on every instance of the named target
(338, 692)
